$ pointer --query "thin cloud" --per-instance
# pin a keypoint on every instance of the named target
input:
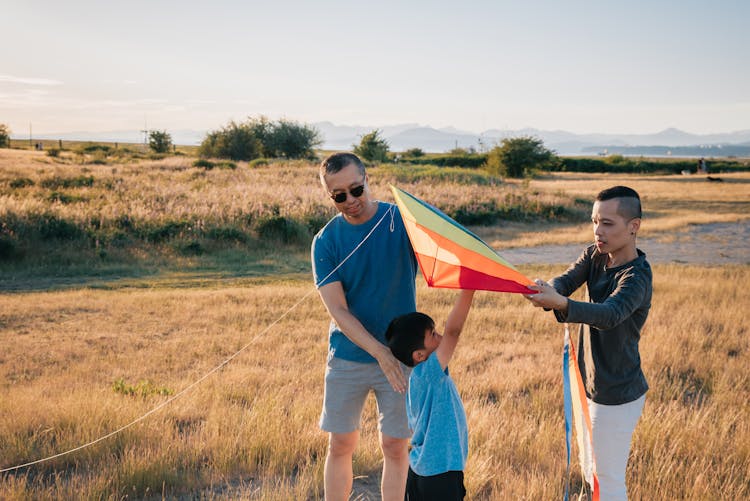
(28, 80)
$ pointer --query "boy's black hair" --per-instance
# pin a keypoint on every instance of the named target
(405, 335)
(630, 203)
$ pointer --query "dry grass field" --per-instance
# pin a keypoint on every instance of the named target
(83, 359)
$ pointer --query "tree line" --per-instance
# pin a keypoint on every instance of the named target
(515, 157)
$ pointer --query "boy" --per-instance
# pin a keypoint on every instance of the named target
(440, 440)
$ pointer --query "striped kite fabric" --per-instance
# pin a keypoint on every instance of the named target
(450, 256)
(577, 414)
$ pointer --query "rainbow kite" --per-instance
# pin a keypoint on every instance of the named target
(577, 413)
(452, 257)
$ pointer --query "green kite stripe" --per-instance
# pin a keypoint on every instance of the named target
(430, 217)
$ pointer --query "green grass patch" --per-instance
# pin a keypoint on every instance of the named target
(405, 173)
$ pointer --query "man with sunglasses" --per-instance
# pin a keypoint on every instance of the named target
(364, 268)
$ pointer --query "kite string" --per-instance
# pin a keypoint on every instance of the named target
(209, 373)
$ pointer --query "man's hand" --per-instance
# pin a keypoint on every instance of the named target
(391, 367)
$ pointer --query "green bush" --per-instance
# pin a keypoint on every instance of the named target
(514, 208)
(193, 248)
(227, 234)
(160, 141)
(234, 141)
(259, 137)
(68, 182)
(64, 198)
(4, 136)
(52, 227)
(372, 147)
(622, 165)
(414, 153)
(204, 164)
(21, 182)
(8, 248)
(292, 140)
(258, 162)
(518, 156)
(93, 148)
(280, 228)
(165, 231)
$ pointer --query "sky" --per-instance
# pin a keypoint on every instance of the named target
(582, 66)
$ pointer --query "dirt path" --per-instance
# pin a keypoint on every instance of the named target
(713, 244)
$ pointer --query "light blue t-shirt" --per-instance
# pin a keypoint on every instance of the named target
(440, 439)
(378, 279)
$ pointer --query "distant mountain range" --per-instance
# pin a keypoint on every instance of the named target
(404, 136)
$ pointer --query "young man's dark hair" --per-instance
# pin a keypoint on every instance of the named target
(630, 203)
(405, 335)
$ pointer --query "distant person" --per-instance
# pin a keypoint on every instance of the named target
(702, 169)
(440, 440)
(365, 271)
(619, 283)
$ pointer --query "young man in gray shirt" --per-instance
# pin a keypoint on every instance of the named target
(619, 283)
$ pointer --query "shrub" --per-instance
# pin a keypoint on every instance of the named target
(372, 147)
(93, 148)
(165, 231)
(234, 141)
(4, 136)
(21, 182)
(8, 248)
(51, 227)
(53, 152)
(204, 164)
(193, 248)
(414, 153)
(227, 234)
(280, 228)
(259, 137)
(68, 182)
(518, 156)
(291, 140)
(159, 141)
(258, 162)
(64, 198)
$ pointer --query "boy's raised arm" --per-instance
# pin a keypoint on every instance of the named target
(453, 327)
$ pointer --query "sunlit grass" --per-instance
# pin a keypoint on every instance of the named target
(74, 344)
(251, 429)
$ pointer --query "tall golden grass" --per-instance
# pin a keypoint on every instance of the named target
(250, 430)
(172, 189)
(78, 363)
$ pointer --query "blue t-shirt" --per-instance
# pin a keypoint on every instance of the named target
(378, 279)
(440, 437)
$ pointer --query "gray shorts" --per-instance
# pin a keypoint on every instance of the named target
(347, 385)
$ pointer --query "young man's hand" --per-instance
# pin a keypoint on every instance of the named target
(547, 297)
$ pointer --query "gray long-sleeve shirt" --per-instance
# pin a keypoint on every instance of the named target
(619, 302)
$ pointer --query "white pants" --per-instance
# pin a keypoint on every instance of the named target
(612, 428)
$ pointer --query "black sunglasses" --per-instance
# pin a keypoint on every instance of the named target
(356, 192)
